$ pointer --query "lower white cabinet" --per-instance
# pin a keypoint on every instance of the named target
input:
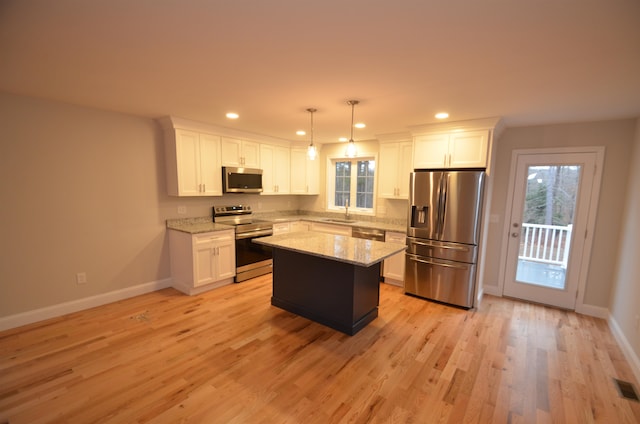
(201, 262)
(281, 228)
(393, 270)
(321, 227)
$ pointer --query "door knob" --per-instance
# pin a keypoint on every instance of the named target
(515, 235)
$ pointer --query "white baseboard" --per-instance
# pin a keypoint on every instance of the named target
(29, 317)
(492, 290)
(593, 311)
(632, 357)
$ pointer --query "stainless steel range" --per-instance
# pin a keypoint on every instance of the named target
(252, 259)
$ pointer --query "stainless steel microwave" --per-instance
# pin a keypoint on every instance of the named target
(241, 180)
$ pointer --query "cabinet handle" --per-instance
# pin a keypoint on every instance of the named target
(204, 188)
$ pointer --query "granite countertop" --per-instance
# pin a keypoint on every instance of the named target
(339, 248)
(205, 224)
(395, 227)
(196, 225)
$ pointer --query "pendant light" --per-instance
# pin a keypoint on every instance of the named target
(311, 150)
(351, 150)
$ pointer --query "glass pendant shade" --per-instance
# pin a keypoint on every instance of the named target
(312, 152)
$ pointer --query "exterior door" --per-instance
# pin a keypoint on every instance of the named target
(548, 221)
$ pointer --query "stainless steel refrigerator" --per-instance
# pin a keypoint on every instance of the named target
(443, 231)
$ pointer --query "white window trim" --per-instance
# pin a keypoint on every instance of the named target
(331, 178)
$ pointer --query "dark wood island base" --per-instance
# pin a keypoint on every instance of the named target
(340, 295)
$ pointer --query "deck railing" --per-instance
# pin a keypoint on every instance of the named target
(545, 243)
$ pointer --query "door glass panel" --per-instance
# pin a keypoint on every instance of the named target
(547, 223)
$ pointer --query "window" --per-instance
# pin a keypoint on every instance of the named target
(353, 182)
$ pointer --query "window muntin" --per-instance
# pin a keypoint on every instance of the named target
(354, 181)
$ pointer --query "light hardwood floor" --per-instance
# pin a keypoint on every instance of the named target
(228, 356)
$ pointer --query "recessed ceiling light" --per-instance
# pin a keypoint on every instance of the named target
(301, 132)
(232, 115)
(343, 139)
(360, 125)
(442, 115)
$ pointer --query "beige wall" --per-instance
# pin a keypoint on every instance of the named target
(83, 190)
(625, 295)
(617, 137)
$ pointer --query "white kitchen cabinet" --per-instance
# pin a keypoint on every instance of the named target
(296, 226)
(455, 149)
(290, 227)
(393, 269)
(275, 163)
(395, 166)
(240, 153)
(192, 163)
(305, 173)
(323, 227)
(201, 262)
(281, 228)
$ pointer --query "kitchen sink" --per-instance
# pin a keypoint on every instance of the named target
(342, 220)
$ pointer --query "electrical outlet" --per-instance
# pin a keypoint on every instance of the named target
(182, 210)
(81, 278)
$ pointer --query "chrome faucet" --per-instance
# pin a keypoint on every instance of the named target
(346, 209)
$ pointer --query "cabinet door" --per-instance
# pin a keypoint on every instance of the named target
(250, 153)
(281, 228)
(304, 174)
(267, 154)
(341, 230)
(210, 168)
(281, 165)
(299, 226)
(389, 169)
(468, 149)
(231, 151)
(204, 263)
(430, 151)
(188, 162)
(225, 258)
(405, 166)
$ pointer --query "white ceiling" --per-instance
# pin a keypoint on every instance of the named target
(529, 61)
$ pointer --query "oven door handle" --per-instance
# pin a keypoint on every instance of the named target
(252, 234)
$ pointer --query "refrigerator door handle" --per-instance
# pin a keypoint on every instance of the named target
(424, 261)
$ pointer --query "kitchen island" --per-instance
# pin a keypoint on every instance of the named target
(330, 279)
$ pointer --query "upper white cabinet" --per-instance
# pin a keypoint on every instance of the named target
(240, 153)
(305, 173)
(455, 149)
(193, 163)
(395, 167)
(274, 161)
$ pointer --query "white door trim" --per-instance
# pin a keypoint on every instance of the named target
(591, 220)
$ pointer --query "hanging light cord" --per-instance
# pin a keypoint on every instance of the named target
(311, 110)
(353, 104)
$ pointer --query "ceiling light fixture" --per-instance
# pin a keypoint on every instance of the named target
(442, 115)
(232, 115)
(351, 150)
(311, 150)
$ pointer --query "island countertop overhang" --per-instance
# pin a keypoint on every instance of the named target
(346, 249)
